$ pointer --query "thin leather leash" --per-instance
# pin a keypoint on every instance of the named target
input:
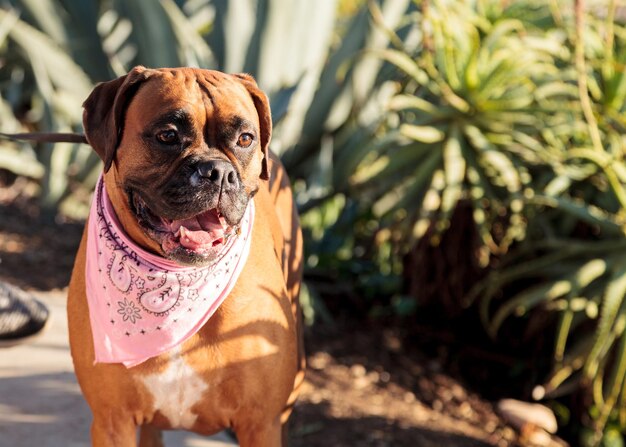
(46, 137)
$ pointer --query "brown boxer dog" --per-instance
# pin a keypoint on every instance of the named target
(176, 143)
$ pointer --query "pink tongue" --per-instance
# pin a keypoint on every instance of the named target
(201, 232)
(196, 240)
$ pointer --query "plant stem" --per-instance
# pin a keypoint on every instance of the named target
(608, 62)
(581, 69)
(585, 102)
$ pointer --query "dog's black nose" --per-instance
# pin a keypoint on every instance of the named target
(219, 172)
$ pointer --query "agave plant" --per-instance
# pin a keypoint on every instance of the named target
(464, 126)
(572, 263)
(519, 114)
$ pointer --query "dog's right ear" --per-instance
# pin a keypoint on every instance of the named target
(104, 111)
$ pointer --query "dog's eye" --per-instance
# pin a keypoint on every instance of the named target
(245, 140)
(168, 137)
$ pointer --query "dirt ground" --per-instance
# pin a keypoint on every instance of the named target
(363, 387)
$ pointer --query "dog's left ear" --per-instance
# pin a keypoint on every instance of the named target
(104, 110)
(265, 118)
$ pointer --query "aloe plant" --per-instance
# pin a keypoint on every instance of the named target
(572, 262)
(463, 126)
(500, 107)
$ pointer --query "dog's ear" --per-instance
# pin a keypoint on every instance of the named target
(262, 105)
(104, 111)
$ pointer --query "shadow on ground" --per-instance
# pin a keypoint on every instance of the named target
(312, 421)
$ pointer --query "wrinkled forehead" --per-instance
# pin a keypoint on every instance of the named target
(203, 94)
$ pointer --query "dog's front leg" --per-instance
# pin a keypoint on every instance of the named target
(150, 436)
(113, 431)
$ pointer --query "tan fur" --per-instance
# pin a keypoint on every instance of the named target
(250, 353)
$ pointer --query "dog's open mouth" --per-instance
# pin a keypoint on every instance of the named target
(202, 234)
(199, 233)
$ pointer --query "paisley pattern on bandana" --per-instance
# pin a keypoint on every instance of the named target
(140, 304)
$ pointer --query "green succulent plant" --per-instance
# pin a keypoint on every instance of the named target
(571, 264)
(462, 126)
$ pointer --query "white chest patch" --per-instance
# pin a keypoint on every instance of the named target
(176, 390)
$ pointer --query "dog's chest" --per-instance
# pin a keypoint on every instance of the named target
(176, 390)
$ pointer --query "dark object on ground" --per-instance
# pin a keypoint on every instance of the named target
(21, 316)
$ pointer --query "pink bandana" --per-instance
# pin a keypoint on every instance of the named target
(141, 304)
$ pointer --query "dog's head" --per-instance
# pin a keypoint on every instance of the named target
(184, 151)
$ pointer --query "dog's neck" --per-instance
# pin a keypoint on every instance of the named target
(126, 216)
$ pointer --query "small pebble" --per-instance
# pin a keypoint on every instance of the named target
(358, 370)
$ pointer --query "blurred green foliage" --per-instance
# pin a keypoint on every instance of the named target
(390, 115)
